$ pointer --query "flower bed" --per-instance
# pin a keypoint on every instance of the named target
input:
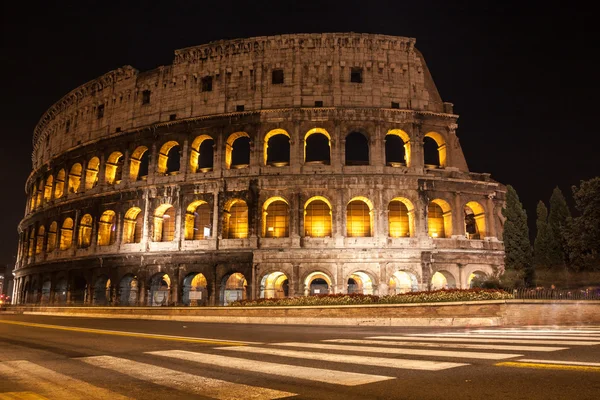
(435, 296)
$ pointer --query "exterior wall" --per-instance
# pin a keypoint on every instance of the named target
(315, 67)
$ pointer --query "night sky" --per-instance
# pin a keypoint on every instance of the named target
(524, 81)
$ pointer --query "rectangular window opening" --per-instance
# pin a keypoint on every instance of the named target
(277, 77)
(356, 75)
(319, 103)
(207, 83)
(100, 111)
(146, 97)
(239, 108)
(395, 105)
(172, 117)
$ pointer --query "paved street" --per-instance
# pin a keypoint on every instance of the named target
(79, 358)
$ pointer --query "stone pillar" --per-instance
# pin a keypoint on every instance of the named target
(341, 286)
(174, 295)
(383, 280)
(416, 147)
(458, 217)
(295, 287)
(490, 212)
(184, 158)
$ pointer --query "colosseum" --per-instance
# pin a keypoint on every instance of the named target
(277, 166)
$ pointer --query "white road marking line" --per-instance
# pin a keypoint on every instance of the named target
(350, 359)
(52, 384)
(404, 351)
(587, 364)
(452, 345)
(183, 381)
(475, 340)
(542, 331)
(293, 371)
(538, 337)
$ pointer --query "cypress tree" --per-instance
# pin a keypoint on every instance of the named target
(558, 222)
(544, 247)
(584, 232)
(516, 237)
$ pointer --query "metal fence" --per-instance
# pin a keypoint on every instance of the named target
(556, 294)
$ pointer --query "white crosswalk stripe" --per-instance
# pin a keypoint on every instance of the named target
(482, 340)
(52, 384)
(348, 359)
(286, 370)
(184, 381)
(502, 336)
(446, 345)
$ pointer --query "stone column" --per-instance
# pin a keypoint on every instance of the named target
(458, 217)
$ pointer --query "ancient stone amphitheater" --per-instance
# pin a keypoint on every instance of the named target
(265, 167)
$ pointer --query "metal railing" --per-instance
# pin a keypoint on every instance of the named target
(556, 294)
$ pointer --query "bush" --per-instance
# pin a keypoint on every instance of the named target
(435, 296)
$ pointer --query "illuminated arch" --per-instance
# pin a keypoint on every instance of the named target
(406, 143)
(198, 220)
(164, 223)
(360, 282)
(234, 287)
(439, 219)
(160, 285)
(66, 234)
(443, 280)
(276, 217)
(107, 228)
(475, 227)
(359, 217)
(48, 188)
(401, 218)
(52, 231)
(132, 225)
(274, 285)
(101, 291)
(268, 136)
(195, 291)
(441, 146)
(59, 189)
(317, 283)
(84, 237)
(165, 158)
(235, 219)
(479, 275)
(195, 162)
(403, 282)
(39, 243)
(75, 178)
(317, 217)
(91, 173)
(128, 290)
(138, 163)
(229, 146)
(39, 193)
(114, 168)
(314, 131)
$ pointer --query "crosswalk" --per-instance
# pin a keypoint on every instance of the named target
(331, 362)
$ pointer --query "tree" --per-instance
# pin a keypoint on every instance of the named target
(584, 231)
(516, 237)
(558, 223)
(544, 247)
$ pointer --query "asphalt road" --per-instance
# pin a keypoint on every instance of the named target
(80, 358)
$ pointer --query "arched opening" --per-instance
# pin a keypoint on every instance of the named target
(397, 148)
(475, 277)
(442, 280)
(133, 225)
(234, 287)
(91, 173)
(195, 291)
(276, 216)
(164, 223)
(277, 148)
(169, 158)
(102, 291)
(60, 291)
(439, 219)
(84, 237)
(48, 188)
(317, 147)
(274, 286)
(202, 154)
(317, 217)
(79, 290)
(128, 290)
(66, 234)
(434, 150)
(474, 221)
(114, 168)
(317, 283)
(59, 189)
(75, 178)
(403, 282)
(160, 286)
(237, 151)
(359, 217)
(138, 164)
(360, 283)
(107, 227)
(400, 218)
(31, 236)
(198, 221)
(39, 244)
(52, 231)
(46, 290)
(235, 222)
(357, 149)
(39, 193)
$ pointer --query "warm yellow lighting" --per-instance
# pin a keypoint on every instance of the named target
(439, 281)
(434, 234)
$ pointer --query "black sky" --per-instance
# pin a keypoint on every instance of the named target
(523, 80)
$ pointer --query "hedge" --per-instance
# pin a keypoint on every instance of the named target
(434, 296)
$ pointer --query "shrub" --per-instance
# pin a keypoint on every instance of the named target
(444, 295)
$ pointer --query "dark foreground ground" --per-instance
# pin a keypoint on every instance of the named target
(80, 358)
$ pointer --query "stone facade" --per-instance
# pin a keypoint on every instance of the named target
(100, 229)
